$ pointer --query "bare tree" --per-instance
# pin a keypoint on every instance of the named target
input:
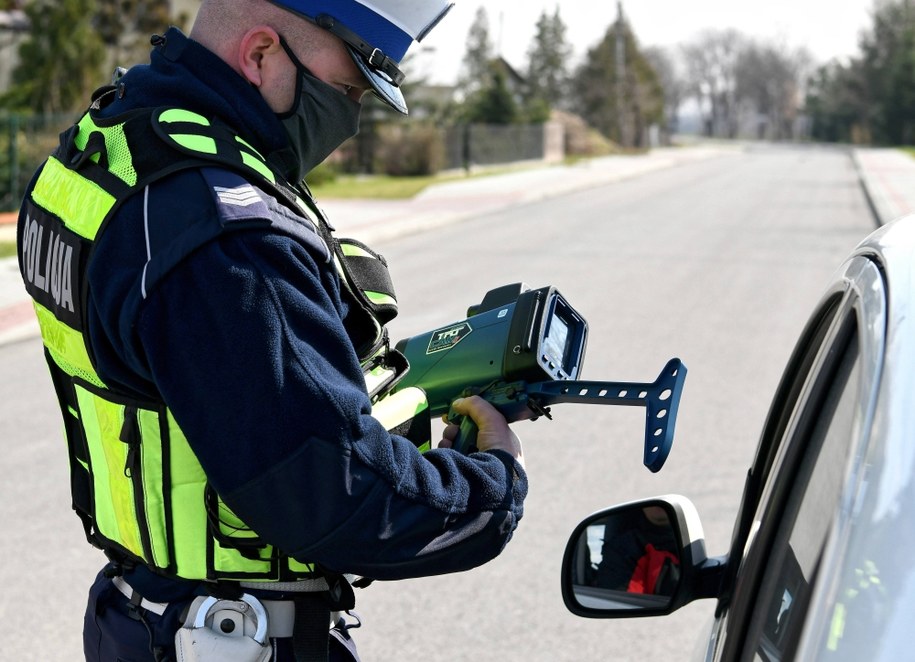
(770, 86)
(672, 83)
(711, 74)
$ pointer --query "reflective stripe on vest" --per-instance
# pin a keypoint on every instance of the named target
(184, 128)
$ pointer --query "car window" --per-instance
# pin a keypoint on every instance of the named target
(795, 490)
(738, 595)
(813, 493)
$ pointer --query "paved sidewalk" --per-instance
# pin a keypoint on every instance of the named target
(887, 175)
(888, 178)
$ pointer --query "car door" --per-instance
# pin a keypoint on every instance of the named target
(800, 481)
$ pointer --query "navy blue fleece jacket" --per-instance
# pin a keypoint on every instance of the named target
(245, 342)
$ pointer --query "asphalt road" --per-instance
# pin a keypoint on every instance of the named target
(718, 263)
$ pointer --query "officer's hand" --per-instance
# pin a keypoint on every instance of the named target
(493, 433)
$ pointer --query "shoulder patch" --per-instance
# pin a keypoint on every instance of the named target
(236, 199)
(239, 196)
(239, 203)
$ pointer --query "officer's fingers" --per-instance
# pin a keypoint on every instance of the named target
(449, 434)
(482, 413)
(494, 432)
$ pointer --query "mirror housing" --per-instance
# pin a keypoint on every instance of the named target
(669, 570)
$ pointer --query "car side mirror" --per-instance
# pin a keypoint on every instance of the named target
(644, 558)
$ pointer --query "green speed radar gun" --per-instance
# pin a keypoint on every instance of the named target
(522, 350)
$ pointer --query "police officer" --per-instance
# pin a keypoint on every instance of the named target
(220, 356)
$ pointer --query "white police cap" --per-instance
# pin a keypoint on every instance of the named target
(377, 34)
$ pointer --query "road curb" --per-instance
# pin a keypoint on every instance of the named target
(880, 216)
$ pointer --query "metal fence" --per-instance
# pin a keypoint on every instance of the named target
(490, 144)
(25, 142)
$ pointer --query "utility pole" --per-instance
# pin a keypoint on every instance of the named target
(621, 76)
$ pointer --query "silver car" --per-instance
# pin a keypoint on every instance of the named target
(820, 565)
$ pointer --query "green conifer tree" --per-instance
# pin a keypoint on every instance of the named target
(547, 71)
(60, 59)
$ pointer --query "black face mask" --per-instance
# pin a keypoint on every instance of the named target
(321, 119)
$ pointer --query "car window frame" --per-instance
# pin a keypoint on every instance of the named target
(817, 451)
(768, 484)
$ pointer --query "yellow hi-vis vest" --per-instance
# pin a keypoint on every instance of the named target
(135, 481)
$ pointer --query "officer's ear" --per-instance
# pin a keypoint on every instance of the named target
(260, 55)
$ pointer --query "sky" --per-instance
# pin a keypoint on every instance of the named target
(828, 28)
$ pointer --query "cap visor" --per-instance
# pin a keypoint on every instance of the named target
(382, 86)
